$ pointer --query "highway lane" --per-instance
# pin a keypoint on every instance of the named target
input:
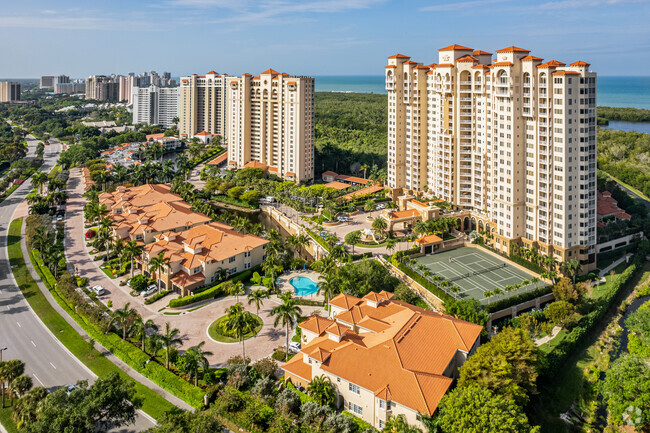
(23, 334)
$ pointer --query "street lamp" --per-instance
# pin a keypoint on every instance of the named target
(2, 350)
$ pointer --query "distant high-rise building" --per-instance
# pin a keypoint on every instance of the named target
(50, 81)
(126, 89)
(69, 88)
(155, 105)
(102, 88)
(9, 91)
(513, 142)
(203, 104)
(271, 121)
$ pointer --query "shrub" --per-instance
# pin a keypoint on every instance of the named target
(230, 400)
(90, 234)
(266, 367)
(213, 291)
(157, 296)
(237, 375)
(287, 401)
(139, 283)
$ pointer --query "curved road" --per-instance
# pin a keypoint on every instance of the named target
(23, 334)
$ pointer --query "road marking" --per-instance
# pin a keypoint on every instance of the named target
(33, 344)
(53, 365)
(39, 380)
(19, 325)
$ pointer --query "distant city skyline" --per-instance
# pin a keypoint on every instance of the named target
(309, 37)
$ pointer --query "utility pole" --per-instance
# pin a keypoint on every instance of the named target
(2, 350)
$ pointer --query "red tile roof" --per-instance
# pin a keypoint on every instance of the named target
(454, 47)
(399, 56)
(551, 64)
(481, 53)
(513, 49)
(270, 71)
(580, 63)
(531, 58)
(566, 73)
(467, 59)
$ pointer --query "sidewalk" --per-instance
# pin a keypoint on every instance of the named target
(21, 211)
(605, 271)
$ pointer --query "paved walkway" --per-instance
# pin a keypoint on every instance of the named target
(193, 325)
(195, 177)
(548, 338)
(605, 271)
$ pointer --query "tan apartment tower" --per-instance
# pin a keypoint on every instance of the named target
(271, 124)
(9, 91)
(511, 140)
(202, 104)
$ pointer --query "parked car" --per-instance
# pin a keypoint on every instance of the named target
(381, 206)
(59, 217)
(270, 199)
(148, 291)
(99, 290)
(294, 347)
(69, 388)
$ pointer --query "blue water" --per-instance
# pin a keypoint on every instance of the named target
(303, 286)
(612, 91)
(643, 127)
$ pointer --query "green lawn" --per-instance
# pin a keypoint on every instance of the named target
(215, 334)
(154, 404)
(6, 421)
(630, 187)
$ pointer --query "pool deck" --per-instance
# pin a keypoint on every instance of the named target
(285, 286)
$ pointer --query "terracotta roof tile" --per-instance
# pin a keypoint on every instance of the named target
(551, 64)
(580, 63)
(399, 56)
(467, 59)
(454, 47)
(513, 49)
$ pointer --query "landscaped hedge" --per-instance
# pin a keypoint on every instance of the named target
(526, 264)
(157, 296)
(423, 281)
(523, 297)
(356, 257)
(42, 270)
(558, 356)
(213, 291)
(318, 239)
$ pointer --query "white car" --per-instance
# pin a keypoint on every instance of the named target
(294, 347)
(270, 199)
(148, 291)
(99, 290)
(381, 206)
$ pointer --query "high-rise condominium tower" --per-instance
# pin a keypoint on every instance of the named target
(271, 122)
(511, 141)
(155, 105)
(202, 104)
(9, 91)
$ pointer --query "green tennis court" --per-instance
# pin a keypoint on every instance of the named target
(476, 272)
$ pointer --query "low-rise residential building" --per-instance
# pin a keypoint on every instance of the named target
(384, 357)
(142, 224)
(197, 256)
(125, 198)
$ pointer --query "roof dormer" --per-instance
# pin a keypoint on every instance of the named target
(336, 331)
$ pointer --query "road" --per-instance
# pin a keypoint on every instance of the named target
(23, 334)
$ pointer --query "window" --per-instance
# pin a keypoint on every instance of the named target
(354, 388)
(355, 408)
(231, 259)
(384, 404)
(381, 424)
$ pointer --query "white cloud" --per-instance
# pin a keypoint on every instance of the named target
(69, 23)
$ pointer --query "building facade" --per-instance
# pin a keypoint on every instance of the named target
(69, 88)
(102, 88)
(9, 91)
(155, 105)
(512, 140)
(50, 81)
(372, 351)
(271, 121)
(202, 104)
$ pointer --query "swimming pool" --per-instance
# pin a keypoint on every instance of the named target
(303, 286)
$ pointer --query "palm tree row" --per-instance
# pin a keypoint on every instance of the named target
(437, 226)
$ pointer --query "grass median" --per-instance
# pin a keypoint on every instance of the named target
(153, 404)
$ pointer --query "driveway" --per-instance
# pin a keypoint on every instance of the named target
(193, 325)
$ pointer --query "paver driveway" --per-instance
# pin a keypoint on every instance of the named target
(193, 325)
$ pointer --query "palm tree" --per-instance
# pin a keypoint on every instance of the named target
(105, 225)
(158, 264)
(193, 359)
(234, 289)
(257, 297)
(328, 288)
(379, 224)
(571, 268)
(353, 238)
(39, 179)
(339, 253)
(170, 338)
(39, 239)
(322, 391)
(9, 371)
(123, 316)
(240, 323)
(286, 313)
(131, 250)
(139, 329)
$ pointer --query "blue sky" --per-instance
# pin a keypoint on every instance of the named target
(315, 37)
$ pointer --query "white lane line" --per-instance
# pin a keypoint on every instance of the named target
(53, 365)
(33, 344)
(19, 325)
(39, 380)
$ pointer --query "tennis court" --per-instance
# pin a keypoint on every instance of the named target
(475, 272)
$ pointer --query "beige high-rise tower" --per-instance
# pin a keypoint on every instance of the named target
(202, 104)
(271, 124)
(512, 141)
(9, 91)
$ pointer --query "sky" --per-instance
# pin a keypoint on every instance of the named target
(309, 37)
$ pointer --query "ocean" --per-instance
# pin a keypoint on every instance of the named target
(612, 91)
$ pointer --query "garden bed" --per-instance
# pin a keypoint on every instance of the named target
(215, 331)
